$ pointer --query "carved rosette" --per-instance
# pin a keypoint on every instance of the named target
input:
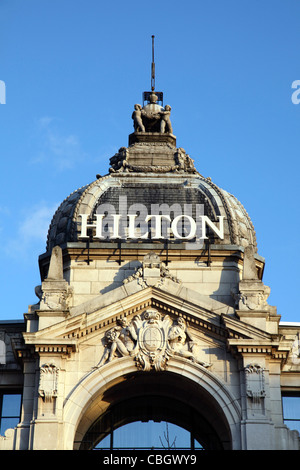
(48, 382)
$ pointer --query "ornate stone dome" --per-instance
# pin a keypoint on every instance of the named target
(154, 189)
(152, 171)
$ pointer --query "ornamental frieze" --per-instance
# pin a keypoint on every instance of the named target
(150, 339)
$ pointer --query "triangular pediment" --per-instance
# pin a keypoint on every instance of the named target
(211, 317)
(168, 286)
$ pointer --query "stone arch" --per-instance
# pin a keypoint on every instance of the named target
(100, 389)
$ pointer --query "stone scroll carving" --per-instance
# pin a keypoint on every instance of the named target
(48, 382)
(153, 272)
(150, 339)
(255, 382)
(119, 161)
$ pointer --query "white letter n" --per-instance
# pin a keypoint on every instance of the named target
(218, 231)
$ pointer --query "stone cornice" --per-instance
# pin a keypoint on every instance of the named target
(46, 345)
(237, 328)
(258, 347)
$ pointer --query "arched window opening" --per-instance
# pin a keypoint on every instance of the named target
(149, 435)
(141, 404)
(150, 421)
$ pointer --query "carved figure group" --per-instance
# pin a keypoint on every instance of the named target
(150, 340)
(161, 116)
(120, 338)
(178, 336)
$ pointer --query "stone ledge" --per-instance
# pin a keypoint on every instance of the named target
(152, 137)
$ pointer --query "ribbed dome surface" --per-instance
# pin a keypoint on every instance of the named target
(152, 189)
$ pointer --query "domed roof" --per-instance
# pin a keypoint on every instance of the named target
(152, 189)
(152, 172)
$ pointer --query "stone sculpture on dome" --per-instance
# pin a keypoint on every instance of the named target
(137, 119)
(152, 117)
(165, 122)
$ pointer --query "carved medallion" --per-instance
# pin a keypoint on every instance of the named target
(152, 348)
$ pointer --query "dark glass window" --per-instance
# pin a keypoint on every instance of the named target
(291, 411)
(10, 408)
(149, 435)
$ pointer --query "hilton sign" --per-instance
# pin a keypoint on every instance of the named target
(164, 222)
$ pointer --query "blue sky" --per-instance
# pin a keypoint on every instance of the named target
(73, 71)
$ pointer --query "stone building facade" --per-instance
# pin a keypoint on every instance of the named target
(151, 305)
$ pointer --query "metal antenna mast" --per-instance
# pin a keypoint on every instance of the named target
(153, 67)
(149, 95)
